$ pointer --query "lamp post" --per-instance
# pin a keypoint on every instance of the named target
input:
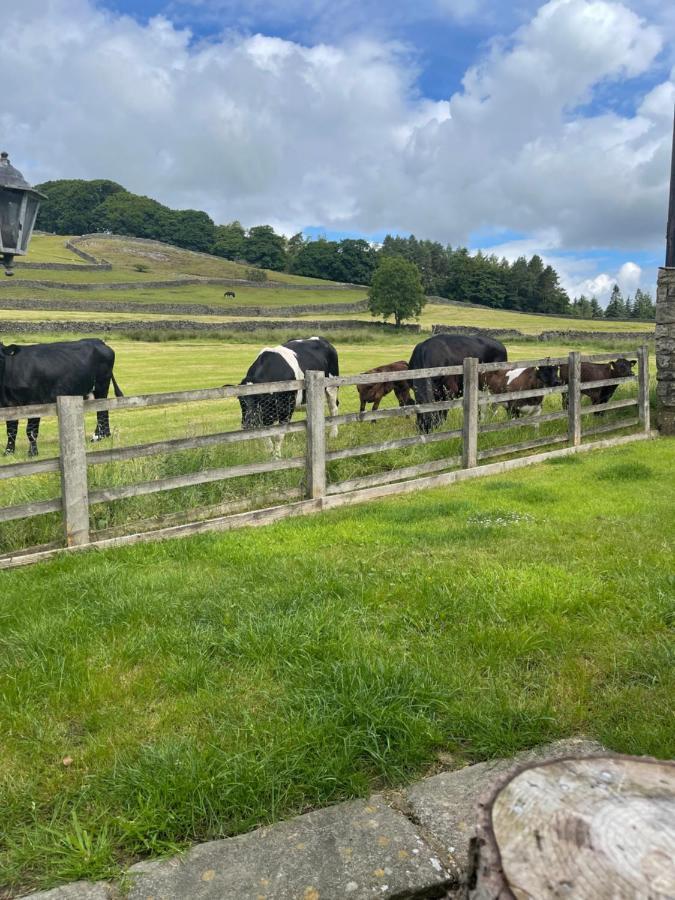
(19, 204)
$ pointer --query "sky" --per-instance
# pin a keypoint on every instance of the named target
(513, 127)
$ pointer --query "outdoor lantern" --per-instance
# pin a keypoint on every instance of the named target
(19, 204)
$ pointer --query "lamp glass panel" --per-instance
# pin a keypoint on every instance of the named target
(32, 206)
(10, 214)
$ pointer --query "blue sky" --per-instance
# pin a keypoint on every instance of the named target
(537, 127)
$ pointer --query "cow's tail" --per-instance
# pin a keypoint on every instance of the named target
(116, 387)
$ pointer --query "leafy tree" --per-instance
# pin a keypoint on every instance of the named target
(294, 245)
(355, 261)
(125, 213)
(229, 241)
(519, 285)
(316, 259)
(396, 290)
(551, 298)
(190, 228)
(265, 248)
(581, 308)
(70, 204)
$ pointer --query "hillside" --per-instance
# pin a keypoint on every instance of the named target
(178, 283)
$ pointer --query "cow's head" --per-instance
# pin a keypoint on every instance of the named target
(622, 368)
(548, 376)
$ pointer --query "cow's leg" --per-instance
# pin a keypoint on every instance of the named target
(101, 388)
(12, 429)
(333, 404)
(32, 429)
(276, 443)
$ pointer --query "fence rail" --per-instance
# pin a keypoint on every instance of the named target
(73, 461)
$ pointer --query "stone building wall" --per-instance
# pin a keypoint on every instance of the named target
(665, 351)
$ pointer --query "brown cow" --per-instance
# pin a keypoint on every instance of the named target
(617, 368)
(506, 381)
(375, 392)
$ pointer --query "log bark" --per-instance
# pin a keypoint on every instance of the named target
(590, 828)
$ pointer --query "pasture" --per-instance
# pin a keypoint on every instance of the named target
(202, 687)
(178, 365)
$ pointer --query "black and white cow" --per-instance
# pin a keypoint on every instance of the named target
(39, 373)
(447, 350)
(287, 362)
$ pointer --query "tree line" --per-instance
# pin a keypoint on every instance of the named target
(80, 207)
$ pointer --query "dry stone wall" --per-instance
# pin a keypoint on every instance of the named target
(180, 309)
(665, 351)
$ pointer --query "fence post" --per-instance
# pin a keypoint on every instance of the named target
(315, 389)
(74, 490)
(470, 409)
(643, 387)
(574, 398)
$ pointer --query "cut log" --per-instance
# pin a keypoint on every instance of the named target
(590, 828)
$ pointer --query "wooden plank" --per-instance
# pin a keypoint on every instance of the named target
(36, 411)
(406, 375)
(605, 407)
(643, 387)
(487, 398)
(315, 384)
(26, 510)
(521, 364)
(522, 421)
(523, 445)
(611, 354)
(394, 412)
(614, 426)
(73, 453)
(306, 507)
(574, 399)
(119, 454)
(606, 382)
(470, 418)
(228, 508)
(166, 399)
(20, 470)
(205, 476)
(365, 449)
(436, 465)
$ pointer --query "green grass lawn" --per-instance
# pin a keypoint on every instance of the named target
(205, 686)
(49, 248)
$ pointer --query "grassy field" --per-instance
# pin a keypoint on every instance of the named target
(195, 696)
(161, 261)
(143, 367)
(49, 248)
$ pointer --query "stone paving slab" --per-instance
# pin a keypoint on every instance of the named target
(80, 890)
(445, 805)
(353, 851)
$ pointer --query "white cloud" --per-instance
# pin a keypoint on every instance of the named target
(268, 130)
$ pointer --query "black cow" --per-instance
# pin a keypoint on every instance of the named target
(448, 350)
(230, 294)
(39, 373)
(287, 362)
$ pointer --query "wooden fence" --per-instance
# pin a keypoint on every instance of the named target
(74, 460)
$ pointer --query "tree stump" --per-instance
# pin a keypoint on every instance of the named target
(589, 828)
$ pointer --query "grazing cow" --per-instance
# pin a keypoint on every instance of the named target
(230, 294)
(617, 368)
(376, 391)
(448, 350)
(39, 373)
(287, 362)
(528, 379)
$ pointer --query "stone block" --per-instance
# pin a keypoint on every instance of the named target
(353, 851)
(79, 890)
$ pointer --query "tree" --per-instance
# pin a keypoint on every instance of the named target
(70, 204)
(355, 262)
(396, 290)
(316, 259)
(616, 308)
(229, 241)
(125, 213)
(596, 309)
(643, 307)
(265, 248)
(190, 228)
